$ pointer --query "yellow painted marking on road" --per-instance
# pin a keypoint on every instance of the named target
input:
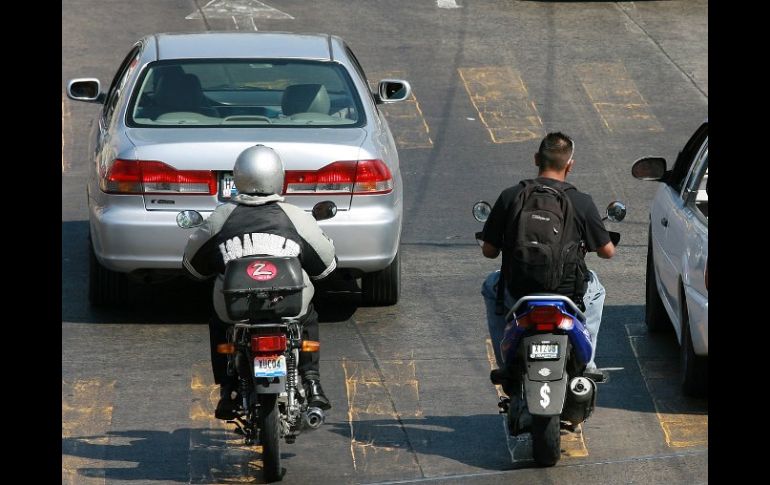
(684, 420)
(405, 119)
(377, 442)
(503, 103)
(65, 124)
(572, 444)
(616, 98)
(217, 454)
(86, 417)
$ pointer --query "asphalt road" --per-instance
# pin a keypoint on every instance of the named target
(409, 383)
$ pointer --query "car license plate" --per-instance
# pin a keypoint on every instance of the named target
(544, 350)
(273, 366)
(227, 186)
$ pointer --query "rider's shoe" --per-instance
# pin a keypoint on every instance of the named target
(595, 374)
(315, 394)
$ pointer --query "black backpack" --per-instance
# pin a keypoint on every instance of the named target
(542, 249)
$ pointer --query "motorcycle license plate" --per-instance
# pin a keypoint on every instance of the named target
(544, 350)
(273, 366)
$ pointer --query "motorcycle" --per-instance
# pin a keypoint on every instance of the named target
(545, 349)
(263, 295)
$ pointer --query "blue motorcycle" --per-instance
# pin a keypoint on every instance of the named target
(545, 349)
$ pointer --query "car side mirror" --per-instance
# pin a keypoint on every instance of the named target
(85, 89)
(649, 168)
(324, 210)
(393, 90)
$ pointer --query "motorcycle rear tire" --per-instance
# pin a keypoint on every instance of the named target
(546, 440)
(270, 437)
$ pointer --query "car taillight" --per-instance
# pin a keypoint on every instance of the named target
(153, 177)
(343, 177)
(546, 318)
(268, 343)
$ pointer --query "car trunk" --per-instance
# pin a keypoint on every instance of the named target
(217, 149)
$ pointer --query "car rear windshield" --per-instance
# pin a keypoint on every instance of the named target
(264, 93)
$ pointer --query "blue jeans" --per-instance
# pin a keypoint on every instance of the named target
(593, 300)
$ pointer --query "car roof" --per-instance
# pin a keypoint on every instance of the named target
(234, 45)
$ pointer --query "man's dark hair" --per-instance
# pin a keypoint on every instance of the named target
(555, 151)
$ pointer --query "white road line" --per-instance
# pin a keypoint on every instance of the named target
(447, 4)
(218, 9)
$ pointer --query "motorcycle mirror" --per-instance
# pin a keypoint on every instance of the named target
(324, 210)
(481, 210)
(189, 219)
(616, 211)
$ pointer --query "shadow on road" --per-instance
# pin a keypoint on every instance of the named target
(183, 455)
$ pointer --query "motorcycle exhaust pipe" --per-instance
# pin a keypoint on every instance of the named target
(314, 417)
(582, 389)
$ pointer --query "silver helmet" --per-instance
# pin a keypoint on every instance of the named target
(258, 170)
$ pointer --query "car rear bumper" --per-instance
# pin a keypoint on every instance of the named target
(127, 237)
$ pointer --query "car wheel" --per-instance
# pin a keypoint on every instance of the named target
(382, 288)
(694, 367)
(105, 287)
(655, 316)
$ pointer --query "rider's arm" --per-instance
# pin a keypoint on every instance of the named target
(490, 251)
(607, 251)
(494, 228)
(317, 257)
(597, 237)
(197, 259)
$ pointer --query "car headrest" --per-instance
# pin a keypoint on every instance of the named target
(305, 98)
(179, 90)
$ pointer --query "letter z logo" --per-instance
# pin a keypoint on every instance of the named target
(262, 270)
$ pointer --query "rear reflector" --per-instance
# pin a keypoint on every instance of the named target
(343, 177)
(153, 177)
(268, 343)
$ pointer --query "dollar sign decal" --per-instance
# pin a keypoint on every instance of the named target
(544, 391)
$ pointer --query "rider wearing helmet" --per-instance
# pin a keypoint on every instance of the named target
(257, 221)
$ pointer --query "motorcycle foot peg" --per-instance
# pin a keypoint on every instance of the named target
(314, 417)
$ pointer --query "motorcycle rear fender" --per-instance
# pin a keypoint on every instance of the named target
(545, 370)
(545, 398)
(262, 386)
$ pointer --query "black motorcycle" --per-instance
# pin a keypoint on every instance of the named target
(263, 295)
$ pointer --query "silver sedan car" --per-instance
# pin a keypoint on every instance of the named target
(183, 106)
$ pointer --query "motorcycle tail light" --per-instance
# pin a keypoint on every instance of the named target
(268, 343)
(545, 318)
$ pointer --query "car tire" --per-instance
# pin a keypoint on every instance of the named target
(382, 288)
(655, 316)
(694, 367)
(105, 287)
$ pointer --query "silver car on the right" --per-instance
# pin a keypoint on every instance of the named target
(677, 255)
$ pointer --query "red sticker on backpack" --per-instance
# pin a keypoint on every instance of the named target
(262, 271)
